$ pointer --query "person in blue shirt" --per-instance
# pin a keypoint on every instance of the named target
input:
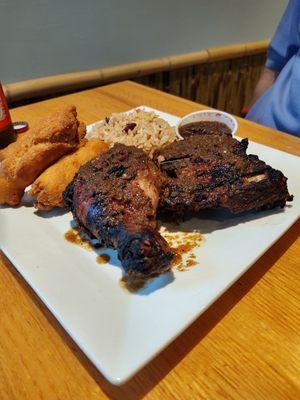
(276, 100)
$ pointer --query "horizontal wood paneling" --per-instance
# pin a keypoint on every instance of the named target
(211, 76)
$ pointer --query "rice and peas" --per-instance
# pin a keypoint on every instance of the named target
(139, 128)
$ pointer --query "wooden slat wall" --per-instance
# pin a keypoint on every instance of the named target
(227, 85)
(221, 77)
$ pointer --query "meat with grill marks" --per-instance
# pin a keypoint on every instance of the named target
(115, 197)
(214, 170)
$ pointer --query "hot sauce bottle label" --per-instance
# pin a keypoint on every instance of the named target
(7, 133)
(5, 119)
(2, 111)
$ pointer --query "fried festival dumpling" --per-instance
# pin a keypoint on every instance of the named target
(24, 160)
(49, 186)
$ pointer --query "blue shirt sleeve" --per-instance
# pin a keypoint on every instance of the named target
(285, 42)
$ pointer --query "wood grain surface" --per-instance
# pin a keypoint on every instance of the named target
(63, 83)
(245, 346)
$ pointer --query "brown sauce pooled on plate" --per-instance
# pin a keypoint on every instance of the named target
(191, 263)
(134, 284)
(73, 236)
(182, 243)
(184, 248)
(79, 238)
(103, 258)
(204, 127)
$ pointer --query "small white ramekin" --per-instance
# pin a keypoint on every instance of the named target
(208, 115)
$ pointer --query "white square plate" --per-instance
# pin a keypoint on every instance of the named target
(119, 331)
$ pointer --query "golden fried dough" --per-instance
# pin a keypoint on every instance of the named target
(23, 161)
(49, 186)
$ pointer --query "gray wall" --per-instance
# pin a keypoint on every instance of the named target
(46, 37)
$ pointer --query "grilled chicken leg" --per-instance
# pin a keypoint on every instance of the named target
(115, 197)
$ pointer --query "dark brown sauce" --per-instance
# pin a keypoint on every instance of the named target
(78, 237)
(184, 248)
(204, 127)
(177, 260)
(73, 236)
(182, 265)
(182, 243)
(103, 258)
(132, 283)
(191, 263)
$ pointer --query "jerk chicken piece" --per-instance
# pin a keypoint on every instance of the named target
(115, 197)
(213, 170)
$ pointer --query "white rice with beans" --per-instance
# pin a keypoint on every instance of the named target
(139, 128)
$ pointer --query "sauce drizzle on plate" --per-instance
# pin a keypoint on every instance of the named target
(73, 236)
(103, 258)
(182, 243)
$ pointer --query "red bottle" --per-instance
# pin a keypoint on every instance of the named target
(7, 132)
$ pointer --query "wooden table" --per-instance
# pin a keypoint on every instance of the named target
(246, 346)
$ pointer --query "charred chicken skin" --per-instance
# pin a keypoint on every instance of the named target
(212, 171)
(115, 198)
